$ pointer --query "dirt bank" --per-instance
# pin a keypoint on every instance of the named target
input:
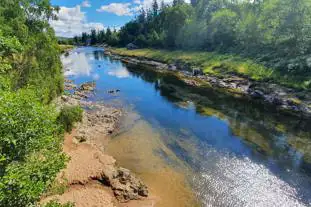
(92, 178)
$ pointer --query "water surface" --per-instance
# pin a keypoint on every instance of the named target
(231, 152)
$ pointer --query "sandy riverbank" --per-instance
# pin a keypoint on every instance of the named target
(92, 178)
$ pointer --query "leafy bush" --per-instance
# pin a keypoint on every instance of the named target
(70, 115)
(30, 147)
(30, 77)
(54, 203)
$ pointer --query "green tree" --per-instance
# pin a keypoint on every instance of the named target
(222, 28)
(93, 36)
(155, 8)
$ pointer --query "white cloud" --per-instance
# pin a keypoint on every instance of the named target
(147, 4)
(86, 4)
(120, 9)
(137, 2)
(120, 72)
(129, 9)
(72, 21)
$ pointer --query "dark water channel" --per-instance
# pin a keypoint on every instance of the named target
(233, 152)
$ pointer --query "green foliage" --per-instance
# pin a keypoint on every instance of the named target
(274, 33)
(55, 203)
(58, 187)
(28, 47)
(98, 37)
(70, 115)
(219, 64)
(65, 41)
(30, 147)
(65, 48)
(222, 28)
(30, 77)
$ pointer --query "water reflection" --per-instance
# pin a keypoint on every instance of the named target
(245, 155)
(268, 133)
(76, 64)
(242, 153)
(119, 71)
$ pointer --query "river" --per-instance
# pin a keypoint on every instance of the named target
(198, 147)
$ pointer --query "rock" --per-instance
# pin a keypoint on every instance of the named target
(197, 72)
(70, 86)
(192, 82)
(81, 94)
(64, 98)
(68, 81)
(80, 138)
(257, 94)
(125, 185)
(107, 53)
(113, 91)
(88, 86)
(172, 67)
(273, 99)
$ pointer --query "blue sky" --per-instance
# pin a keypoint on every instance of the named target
(77, 16)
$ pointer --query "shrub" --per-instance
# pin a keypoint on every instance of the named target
(30, 147)
(54, 203)
(70, 115)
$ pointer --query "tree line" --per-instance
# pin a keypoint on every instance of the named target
(274, 32)
(107, 36)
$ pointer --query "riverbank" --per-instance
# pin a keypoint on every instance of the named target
(92, 177)
(229, 74)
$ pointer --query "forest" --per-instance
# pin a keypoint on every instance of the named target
(275, 33)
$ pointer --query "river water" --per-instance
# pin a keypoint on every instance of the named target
(199, 147)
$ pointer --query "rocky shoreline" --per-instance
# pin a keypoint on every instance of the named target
(92, 178)
(290, 101)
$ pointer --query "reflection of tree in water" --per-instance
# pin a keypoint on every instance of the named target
(262, 127)
(99, 55)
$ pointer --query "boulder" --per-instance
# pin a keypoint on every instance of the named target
(172, 67)
(197, 72)
(124, 184)
(257, 94)
(88, 86)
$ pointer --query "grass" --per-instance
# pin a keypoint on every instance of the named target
(57, 187)
(65, 48)
(219, 65)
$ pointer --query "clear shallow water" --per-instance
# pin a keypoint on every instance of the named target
(233, 152)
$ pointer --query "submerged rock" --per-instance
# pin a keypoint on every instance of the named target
(113, 91)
